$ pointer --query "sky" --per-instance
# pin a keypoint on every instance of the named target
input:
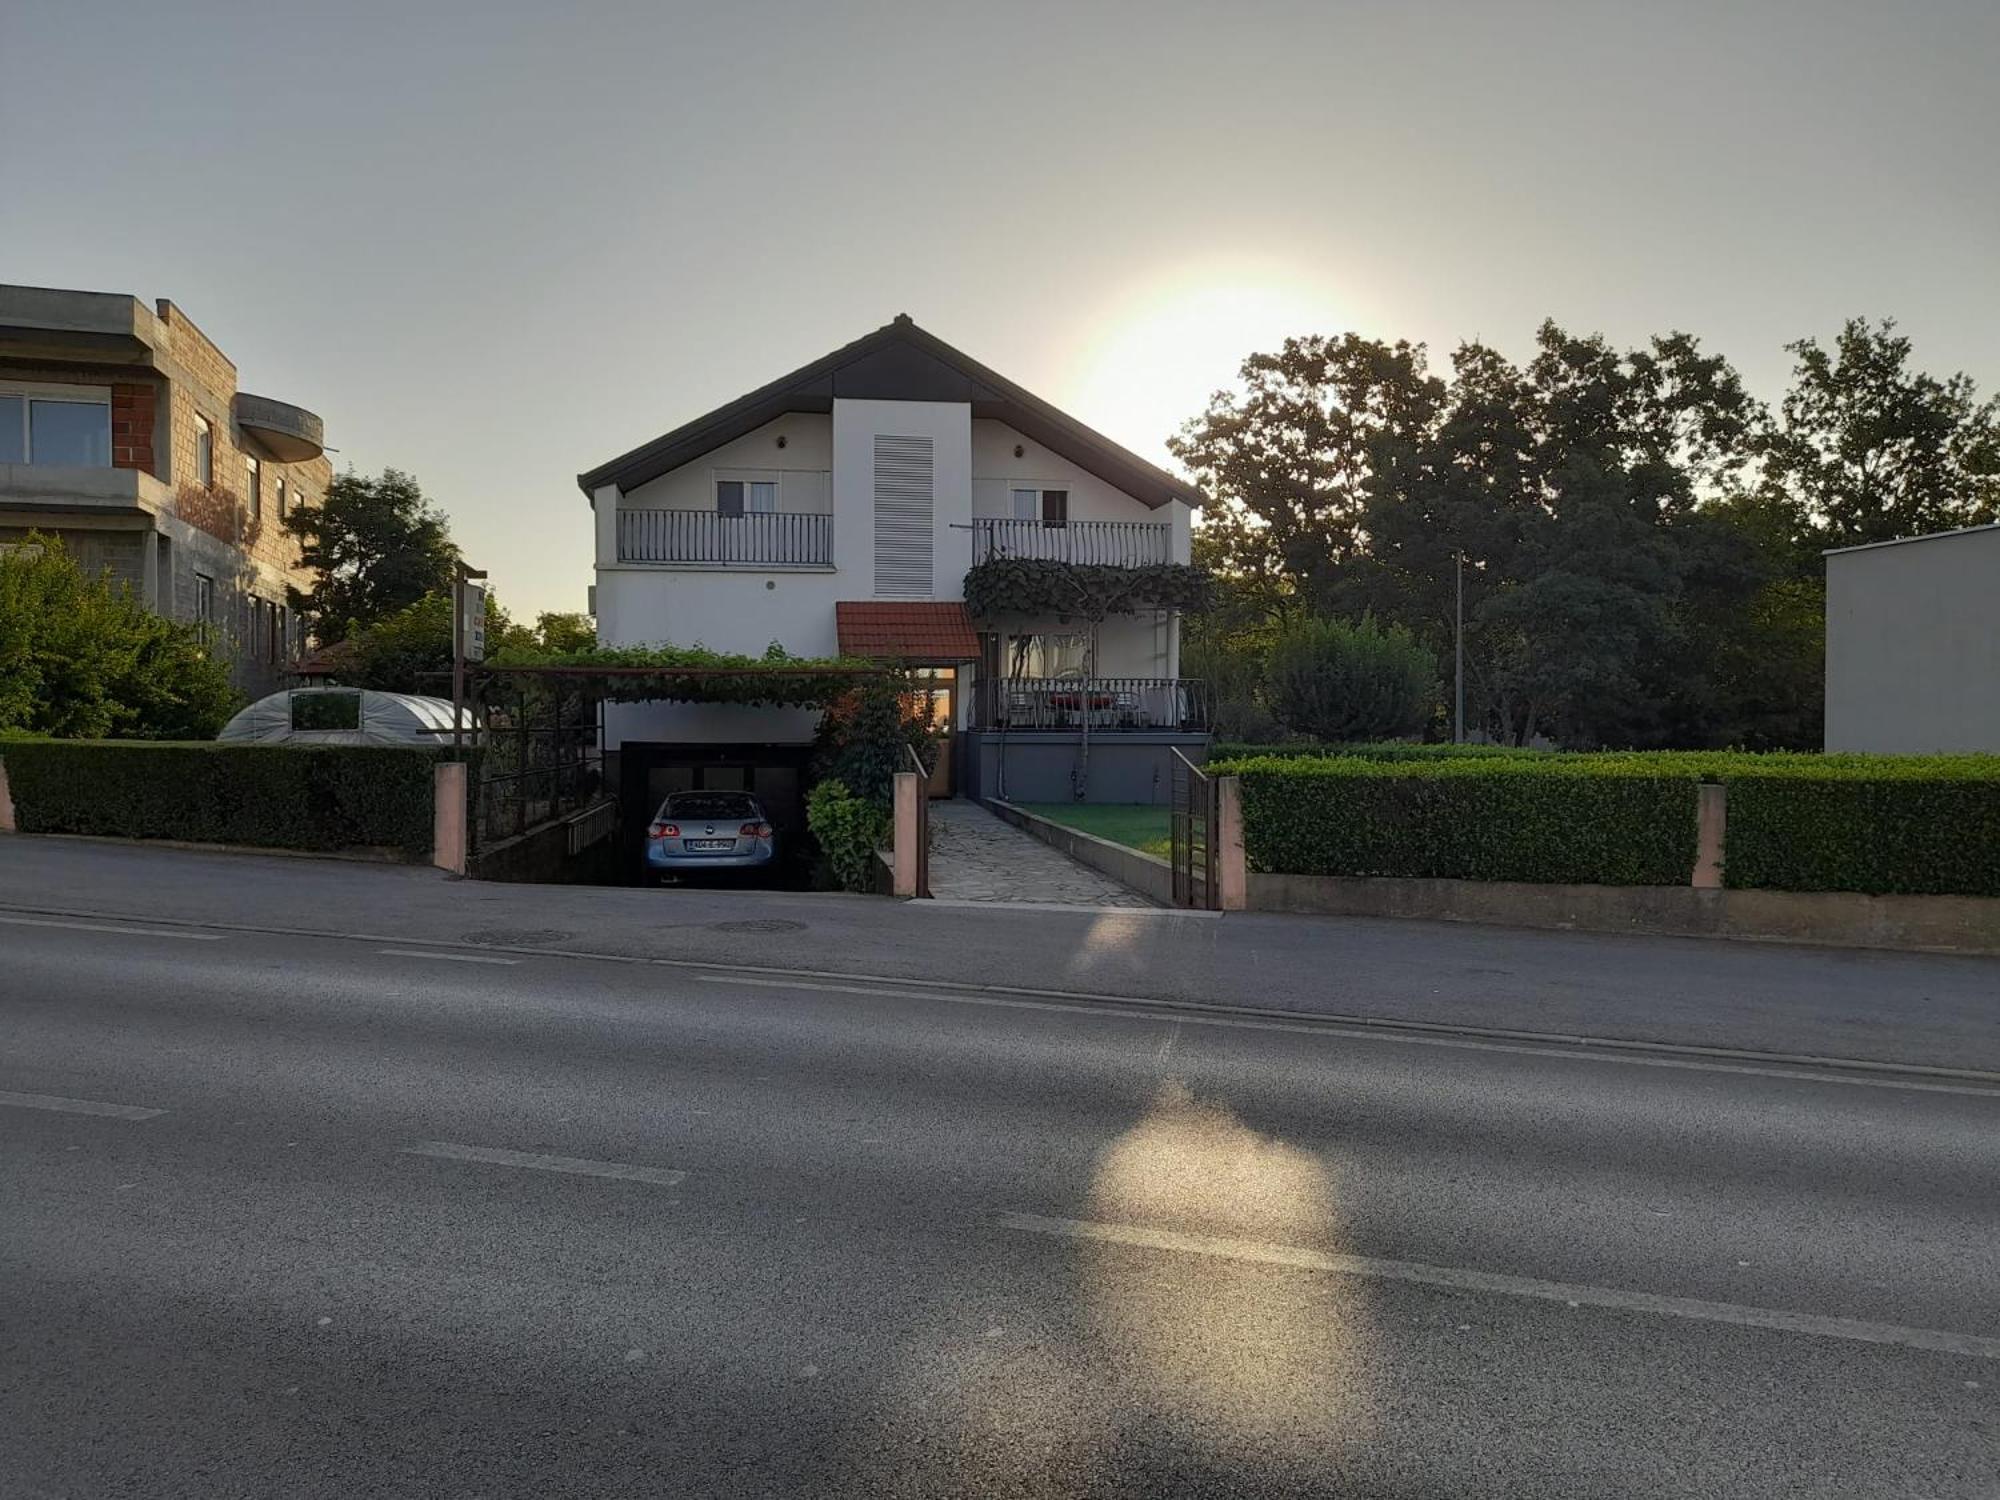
(497, 243)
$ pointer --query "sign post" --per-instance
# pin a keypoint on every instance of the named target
(468, 643)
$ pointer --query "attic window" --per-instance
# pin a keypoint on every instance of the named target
(735, 497)
(1050, 507)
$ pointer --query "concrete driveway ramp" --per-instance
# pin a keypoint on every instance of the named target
(977, 857)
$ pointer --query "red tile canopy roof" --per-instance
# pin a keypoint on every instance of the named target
(932, 632)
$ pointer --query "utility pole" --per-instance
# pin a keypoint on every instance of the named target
(1458, 652)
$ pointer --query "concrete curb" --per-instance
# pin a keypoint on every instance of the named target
(1836, 919)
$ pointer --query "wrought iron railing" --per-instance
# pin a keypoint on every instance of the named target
(1117, 544)
(1097, 703)
(793, 538)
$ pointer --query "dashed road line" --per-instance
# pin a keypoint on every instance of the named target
(576, 1166)
(454, 958)
(1570, 1294)
(65, 1106)
(165, 932)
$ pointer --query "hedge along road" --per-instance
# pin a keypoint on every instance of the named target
(1913, 1009)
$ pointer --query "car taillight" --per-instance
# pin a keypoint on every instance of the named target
(664, 831)
(755, 831)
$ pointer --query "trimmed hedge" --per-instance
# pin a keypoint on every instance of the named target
(320, 797)
(1884, 825)
(1469, 818)
(1380, 750)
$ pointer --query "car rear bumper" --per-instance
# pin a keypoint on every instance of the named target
(659, 859)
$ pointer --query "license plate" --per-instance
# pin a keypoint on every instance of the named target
(707, 846)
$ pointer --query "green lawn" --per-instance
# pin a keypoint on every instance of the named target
(1137, 826)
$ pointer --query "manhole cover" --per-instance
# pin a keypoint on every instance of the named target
(523, 937)
(758, 924)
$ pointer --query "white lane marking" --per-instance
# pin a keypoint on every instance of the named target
(1355, 1033)
(1569, 1294)
(192, 937)
(455, 958)
(79, 1106)
(578, 1166)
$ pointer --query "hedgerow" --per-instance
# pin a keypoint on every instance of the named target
(1468, 819)
(322, 797)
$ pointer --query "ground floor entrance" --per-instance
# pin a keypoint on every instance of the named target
(774, 774)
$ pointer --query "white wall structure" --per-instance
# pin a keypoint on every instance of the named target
(1913, 644)
(861, 477)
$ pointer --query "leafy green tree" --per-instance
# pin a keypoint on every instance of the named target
(1867, 449)
(410, 651)
(80, 657)
(1340, 680)
(863, 737)
(561, 633)
(377, 545)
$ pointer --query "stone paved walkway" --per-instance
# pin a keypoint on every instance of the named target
(976, 857)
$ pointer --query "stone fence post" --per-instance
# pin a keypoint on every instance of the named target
(1711, 822)
(1232, 879)
(906, 881)
(448, 831)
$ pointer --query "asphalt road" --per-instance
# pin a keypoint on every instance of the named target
(1895, 1007)
(429, 1221)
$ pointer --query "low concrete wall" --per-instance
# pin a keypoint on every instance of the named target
(1149, 875)
(1125, 765)
(1943, 924)
(541, 856)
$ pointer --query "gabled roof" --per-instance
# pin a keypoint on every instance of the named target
(897, 362)
(929, 631)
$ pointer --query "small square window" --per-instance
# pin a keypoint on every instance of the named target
(1055, 507)
(763, 496)
(729, 496)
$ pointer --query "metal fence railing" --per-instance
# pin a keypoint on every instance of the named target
(1195, 820)
(915, 763)
(707, 536)
(1117, 544)
(1095, 703)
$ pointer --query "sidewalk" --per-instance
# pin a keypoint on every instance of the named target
(976, 857)
(1910, 1008)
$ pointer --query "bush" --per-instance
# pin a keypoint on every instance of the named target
(864, 735)
(1337, 680)
(1380, 750)
(1473, 818)
(322, 797)
(1920, 826)
(81, 657)
(849, 829)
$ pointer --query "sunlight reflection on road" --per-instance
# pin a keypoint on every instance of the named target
(1242, 1356)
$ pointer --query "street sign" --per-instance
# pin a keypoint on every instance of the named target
(472, 627)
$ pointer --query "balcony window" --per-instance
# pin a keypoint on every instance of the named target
(253, 488)
(68, 429)
(204, 452)
(735, 497)
(1050, 507)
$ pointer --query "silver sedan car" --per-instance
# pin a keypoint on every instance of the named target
(695, 831)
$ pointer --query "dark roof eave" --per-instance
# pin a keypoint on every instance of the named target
(1054, 428)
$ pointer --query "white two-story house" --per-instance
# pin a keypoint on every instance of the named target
(837, 511)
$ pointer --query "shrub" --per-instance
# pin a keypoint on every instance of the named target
(81, 657)
(849, 829)
(1339, 680)
(1921, 826)
(1474, 818)
(1379, 750)
(864, 735)
(322, 797)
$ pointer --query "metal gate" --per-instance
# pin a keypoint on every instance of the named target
(1196, 812)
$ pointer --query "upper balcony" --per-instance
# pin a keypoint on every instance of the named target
(82, 488)
(290, 434)
(711, 539)
(1116, 544)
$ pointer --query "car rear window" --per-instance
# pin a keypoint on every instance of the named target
(709, 805)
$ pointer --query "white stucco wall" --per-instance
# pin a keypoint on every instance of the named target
(1913, 645)
(949, 427)
(802, 468)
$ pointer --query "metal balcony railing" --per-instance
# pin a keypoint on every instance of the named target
(787, 538)
(1108, 703)
(1117, 544)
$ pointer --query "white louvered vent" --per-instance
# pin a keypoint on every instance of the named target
(902, 517)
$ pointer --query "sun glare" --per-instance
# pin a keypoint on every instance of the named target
(1155, 356)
